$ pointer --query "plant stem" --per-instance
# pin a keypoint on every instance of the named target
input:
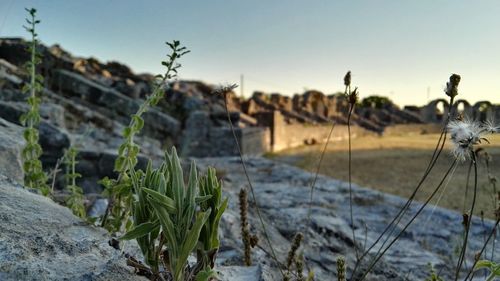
(264, 230)
(469, 220)
(493, 230)
(377, 258)
(313, 183)
(350, 179)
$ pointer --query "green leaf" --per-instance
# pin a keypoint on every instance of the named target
(191, 241)
(167, 225)
(161, 199)
(215, 224)
(138, 122)
(139, 231)
(201, 199)
(206, 274)
(483, 264)
(177, 179)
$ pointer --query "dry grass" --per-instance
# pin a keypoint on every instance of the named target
(394, 164)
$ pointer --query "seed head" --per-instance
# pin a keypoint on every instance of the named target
(452, 86)
(465, 134)
(224, 89)
(353, 96)
(347, 79)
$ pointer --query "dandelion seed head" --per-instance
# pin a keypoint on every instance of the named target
(464, 135)
(491, 127)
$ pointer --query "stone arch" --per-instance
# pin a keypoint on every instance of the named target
(431, 112)
(462, 107)
(482, 111)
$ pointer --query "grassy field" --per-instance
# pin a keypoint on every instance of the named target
(395, 164)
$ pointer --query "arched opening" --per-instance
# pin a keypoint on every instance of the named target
(482, 110)
(441, 109)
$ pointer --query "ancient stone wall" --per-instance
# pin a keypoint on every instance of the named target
(284, 135)
(202, 138)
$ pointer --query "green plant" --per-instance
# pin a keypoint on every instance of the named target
(34, 176)
(493, 268)
(76, 198)
(211, 189)
(117, 214)
(172, 220)
(432, 275)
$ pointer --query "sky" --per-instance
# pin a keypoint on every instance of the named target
(405, 50)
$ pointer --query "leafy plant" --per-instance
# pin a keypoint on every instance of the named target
(117, 215)
(211, 190)
(34, 176)
(76, 198)
(493, 268)
(172, 220)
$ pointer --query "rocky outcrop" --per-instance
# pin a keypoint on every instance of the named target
(282, 193)
(11, 145)
(41, 240)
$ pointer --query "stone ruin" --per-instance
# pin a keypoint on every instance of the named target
(89, 102)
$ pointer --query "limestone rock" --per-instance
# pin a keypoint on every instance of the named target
(11, 145)
(41, 240)
(282, 193)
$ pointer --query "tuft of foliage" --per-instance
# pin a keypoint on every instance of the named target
(117, 215)
(76, 198)
(492, 267)
(34, 176)
(173, 220)
(210, 188)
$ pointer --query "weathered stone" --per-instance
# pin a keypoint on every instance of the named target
(282, 194)
(52, 139)
(41, 240)
(11, 145)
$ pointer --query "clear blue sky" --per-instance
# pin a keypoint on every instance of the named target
(395, 48)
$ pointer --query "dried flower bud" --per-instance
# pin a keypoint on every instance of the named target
(297, 239)
(341, 269)
(254, 240)
(465, 220)
(347, 79)
(477, 256)
(452, 85)
(224, 89)
(353, 96)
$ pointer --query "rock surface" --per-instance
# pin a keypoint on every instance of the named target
(40, 240)
(282, 193)
(11, 145)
